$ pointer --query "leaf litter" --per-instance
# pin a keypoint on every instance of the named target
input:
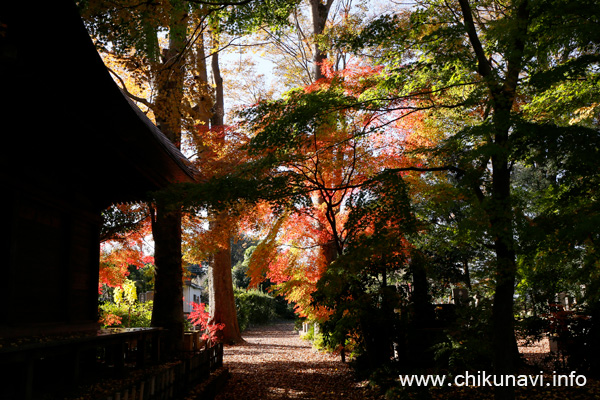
(275, 363)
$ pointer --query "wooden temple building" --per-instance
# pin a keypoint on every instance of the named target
(71, 145)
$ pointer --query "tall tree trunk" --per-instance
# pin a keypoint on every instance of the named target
(218, 118)
(319, 13)
(166, 224)
(221, 298)
(501, 224)
(168, 289)
(423, 309)
(204, 102)
(499, 207)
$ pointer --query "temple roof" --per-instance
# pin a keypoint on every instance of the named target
(65, 119)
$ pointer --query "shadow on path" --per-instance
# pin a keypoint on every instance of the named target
(276, 364)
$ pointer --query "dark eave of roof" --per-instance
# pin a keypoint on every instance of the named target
(186, 166)
(63, 117)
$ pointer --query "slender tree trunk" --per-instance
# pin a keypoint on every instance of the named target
(222, 300)
(217, 119)
(204, 102)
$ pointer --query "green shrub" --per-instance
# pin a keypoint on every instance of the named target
(319, 340)
(255, 307)
(125, 311)
(122, 315)
(310, 334)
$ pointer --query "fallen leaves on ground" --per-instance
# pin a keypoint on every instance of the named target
(275, 363)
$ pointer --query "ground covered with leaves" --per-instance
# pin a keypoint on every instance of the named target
(275, 363)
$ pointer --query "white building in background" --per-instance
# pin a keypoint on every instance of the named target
(192, 292)
(192, 288)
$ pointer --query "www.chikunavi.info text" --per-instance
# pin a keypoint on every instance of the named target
(482, 379)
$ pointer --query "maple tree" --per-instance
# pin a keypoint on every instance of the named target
(124, 231)
(358, 285)
(209, 229)
(324, 156)
(325, 151)
(200, 317)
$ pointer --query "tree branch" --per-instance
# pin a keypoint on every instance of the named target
(459, 171)
(483, 65)
(515, 59)
(130, 95)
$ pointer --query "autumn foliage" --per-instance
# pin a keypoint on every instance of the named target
(200, 317)
(125, 230)
(328, 148)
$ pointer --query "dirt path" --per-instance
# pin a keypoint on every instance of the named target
(276, 364)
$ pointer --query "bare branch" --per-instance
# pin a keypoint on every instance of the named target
(483, 65)
(130, 95)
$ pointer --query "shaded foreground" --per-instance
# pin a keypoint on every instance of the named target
(275, 363)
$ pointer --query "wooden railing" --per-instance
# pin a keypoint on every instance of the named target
(127, 362)
(171, 381)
